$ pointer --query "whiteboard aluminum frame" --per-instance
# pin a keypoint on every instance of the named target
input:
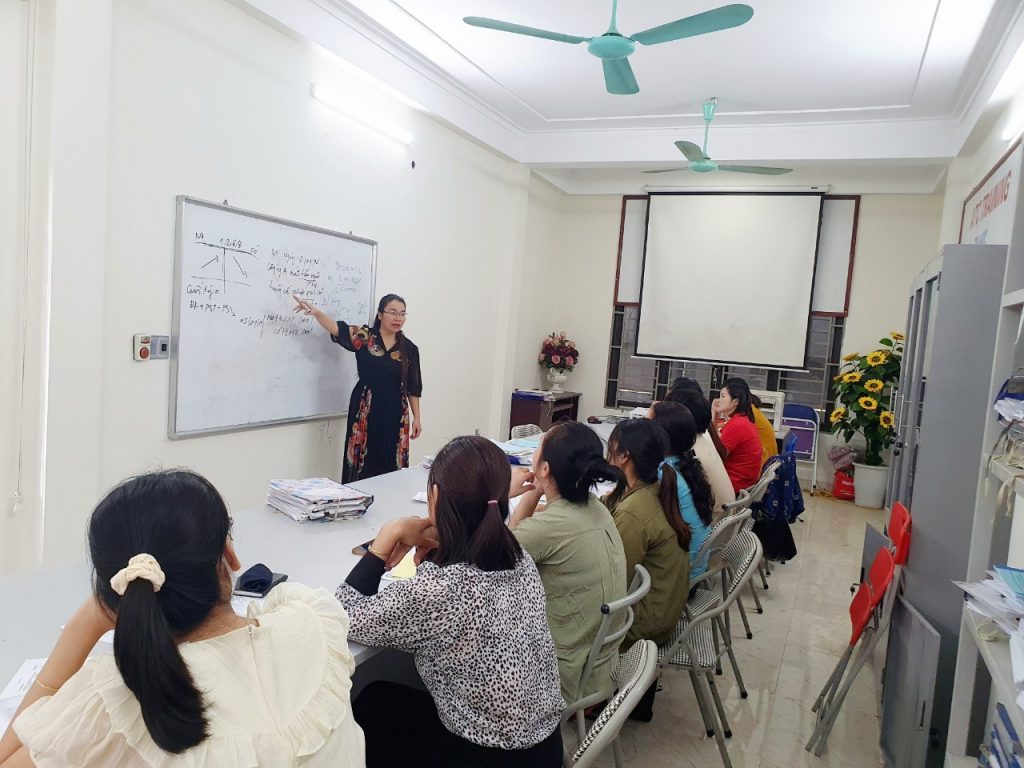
(172, 410)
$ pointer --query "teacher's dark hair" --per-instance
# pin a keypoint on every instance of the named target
(179, 518)
(739, 390)
(472, 476)
(575, 455)
(402, 349)
(646, 445)
(681, 431)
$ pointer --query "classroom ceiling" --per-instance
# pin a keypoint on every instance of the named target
(805, 82)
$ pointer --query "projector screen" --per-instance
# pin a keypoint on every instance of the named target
(728, 277)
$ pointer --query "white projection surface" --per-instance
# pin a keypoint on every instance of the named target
(728, 277)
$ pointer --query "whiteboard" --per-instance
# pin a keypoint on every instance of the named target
(240, 357)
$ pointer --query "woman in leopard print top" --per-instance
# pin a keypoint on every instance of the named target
(473, 616)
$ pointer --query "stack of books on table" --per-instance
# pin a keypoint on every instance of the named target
(317, 498)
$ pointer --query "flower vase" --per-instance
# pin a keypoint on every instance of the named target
(557, 378)
(869, 485)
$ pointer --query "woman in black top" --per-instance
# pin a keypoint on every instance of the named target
(387, 393)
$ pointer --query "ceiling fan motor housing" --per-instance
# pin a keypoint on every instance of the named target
(610, 46)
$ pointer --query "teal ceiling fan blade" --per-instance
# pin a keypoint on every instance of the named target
(618, 77)
(758, 169)
(666, 170)
(726, 17)
(692, 152)
(519, 29)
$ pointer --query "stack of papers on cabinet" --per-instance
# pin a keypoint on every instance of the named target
(993, 599)
(317, 498)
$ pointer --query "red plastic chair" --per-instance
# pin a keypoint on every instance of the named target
(866, 625)
(899, 533)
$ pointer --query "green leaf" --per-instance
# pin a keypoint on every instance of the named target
(887, 342)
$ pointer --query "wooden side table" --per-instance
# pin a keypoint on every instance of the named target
(531, 409)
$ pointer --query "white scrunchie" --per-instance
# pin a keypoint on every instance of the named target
(139, 567)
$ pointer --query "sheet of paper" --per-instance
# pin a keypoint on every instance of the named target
(16, 689)
(420, 497)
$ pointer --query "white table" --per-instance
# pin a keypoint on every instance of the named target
(34, 605)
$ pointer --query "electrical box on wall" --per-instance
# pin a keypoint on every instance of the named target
(146, 347)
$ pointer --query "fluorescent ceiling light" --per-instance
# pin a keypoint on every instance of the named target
(359, 114)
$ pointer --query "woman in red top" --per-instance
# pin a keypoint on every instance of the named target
(738, 434)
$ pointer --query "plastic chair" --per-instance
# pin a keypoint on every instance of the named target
(868, 621)
(693, 646)
(899, 534)
(526, 430)
(606, 643)
(634, 675)
(802, 421)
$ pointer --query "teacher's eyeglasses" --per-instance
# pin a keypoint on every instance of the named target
(392, 313)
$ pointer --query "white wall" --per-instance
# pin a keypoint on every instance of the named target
(895, 239)
(199, 98)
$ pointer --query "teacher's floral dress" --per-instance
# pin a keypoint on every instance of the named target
(377, 438)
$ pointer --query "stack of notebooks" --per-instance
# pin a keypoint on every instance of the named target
(317, 498)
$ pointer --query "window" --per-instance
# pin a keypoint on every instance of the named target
(638, 381)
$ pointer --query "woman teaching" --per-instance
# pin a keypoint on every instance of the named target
(388, 389)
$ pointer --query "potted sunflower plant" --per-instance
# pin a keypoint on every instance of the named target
(863, 405)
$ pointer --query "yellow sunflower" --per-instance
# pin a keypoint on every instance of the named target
(868, 403)
(851, 357)
(886, 419)
(897, 336)
(838, 378)
(850, 378)
(837, 415)
(874, 385)
(877, 358)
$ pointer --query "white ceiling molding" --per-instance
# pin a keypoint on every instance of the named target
(921, 82)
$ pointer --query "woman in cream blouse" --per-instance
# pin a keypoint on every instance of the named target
(190, 683)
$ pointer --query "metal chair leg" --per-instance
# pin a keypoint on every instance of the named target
(743, 616)
(709, 726)
(736, 669)
(757, 600)
(825, 726)
(723, 750)
(763, 573)
(833, 679)
(718, 706)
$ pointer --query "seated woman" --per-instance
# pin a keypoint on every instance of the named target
(189, 680)
(765, 430)
(576, 547)
(705, 447)
(739, 435)
(653, 531)
(474, 618)
(692, 487)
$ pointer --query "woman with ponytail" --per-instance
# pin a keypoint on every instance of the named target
(472, 616)
(576, 547)
(384, 409)
(189, 680)
(696, 502)
(654, 534)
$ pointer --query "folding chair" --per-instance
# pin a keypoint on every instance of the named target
(606, 643)
(868, 620)
(802, 421)
(635, 674)
(693, 645)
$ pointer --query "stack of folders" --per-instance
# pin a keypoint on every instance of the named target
(999, 598)
(317, 498)
(520, 451)
(1003, 749)
(533, 394)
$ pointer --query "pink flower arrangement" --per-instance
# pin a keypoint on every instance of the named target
(559, 352)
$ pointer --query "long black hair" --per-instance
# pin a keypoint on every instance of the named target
(739, 390)
(400, 336)
(646, 444)
(472, 476)
(681, 431)
(574, 453)
(179, 518)
(695, 402)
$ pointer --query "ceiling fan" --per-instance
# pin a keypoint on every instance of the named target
(614, 49)
(701, 163)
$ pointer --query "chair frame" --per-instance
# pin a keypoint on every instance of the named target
(525, 430)
(609, 731)
(606, 643)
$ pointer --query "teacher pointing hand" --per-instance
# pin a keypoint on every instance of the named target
(388, 390)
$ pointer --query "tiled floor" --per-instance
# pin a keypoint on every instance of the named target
(797, 641)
